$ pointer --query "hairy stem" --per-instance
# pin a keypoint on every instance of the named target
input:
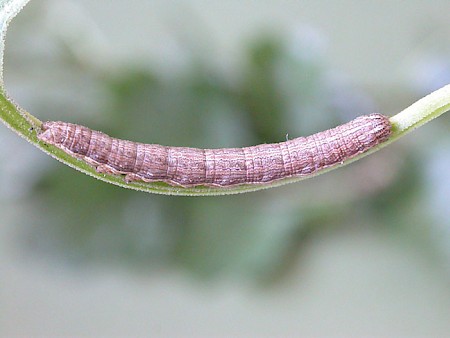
(27, 126)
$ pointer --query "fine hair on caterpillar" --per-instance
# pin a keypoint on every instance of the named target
(222, 167)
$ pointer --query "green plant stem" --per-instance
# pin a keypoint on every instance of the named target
(421, 112)
(27, 126)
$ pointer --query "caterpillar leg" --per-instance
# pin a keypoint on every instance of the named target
(132, 178)
(106, 169)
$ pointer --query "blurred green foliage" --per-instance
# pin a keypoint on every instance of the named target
(280, 91)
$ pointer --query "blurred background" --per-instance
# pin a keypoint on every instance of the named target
(360, 251)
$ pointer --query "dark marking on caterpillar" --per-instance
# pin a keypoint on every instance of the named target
(225, 167)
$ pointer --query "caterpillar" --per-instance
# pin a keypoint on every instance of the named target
(224, 167)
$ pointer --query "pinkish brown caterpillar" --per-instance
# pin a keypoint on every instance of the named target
(226, 167)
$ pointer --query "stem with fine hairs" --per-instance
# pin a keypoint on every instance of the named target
(27, 126)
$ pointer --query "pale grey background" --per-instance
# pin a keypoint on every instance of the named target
(350, 284)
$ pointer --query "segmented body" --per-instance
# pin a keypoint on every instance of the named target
(225, 167)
